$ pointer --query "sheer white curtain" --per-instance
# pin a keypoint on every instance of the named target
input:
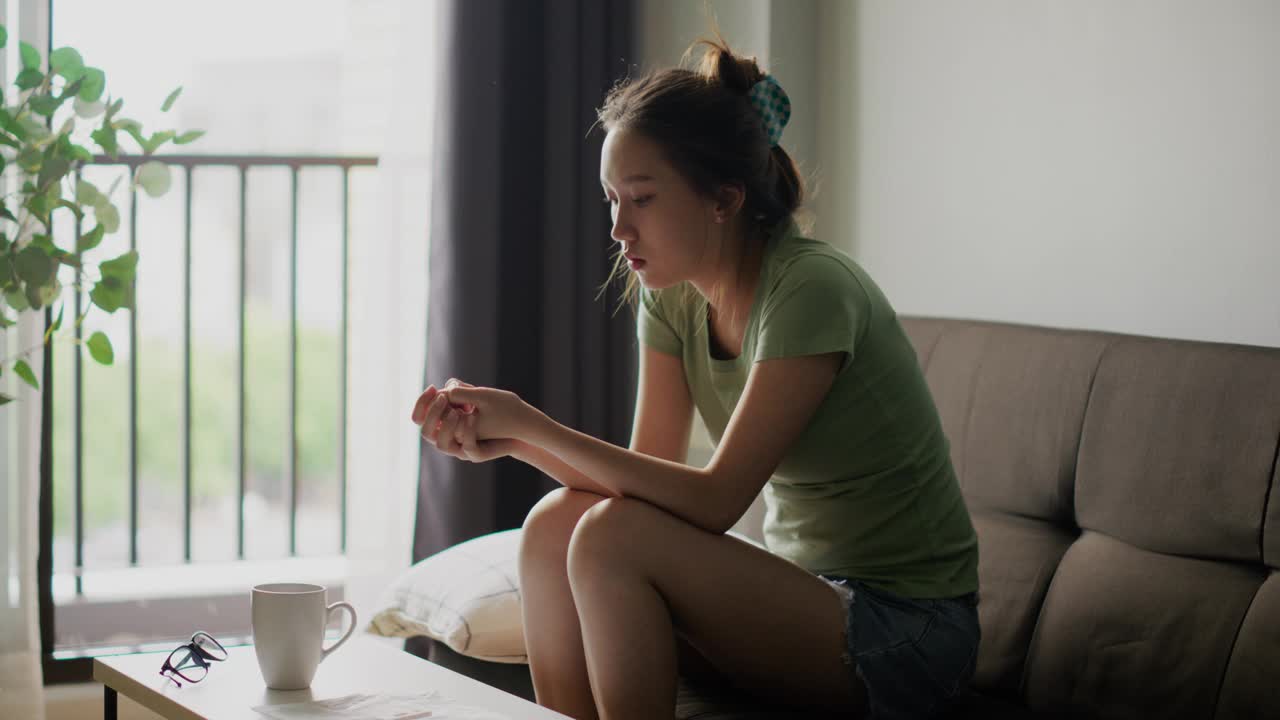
(21, 680)
(21, 677)
(388, 319)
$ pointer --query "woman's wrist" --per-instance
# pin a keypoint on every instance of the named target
(534, 427)
(520, 450)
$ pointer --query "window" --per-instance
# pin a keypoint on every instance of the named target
(212, 454)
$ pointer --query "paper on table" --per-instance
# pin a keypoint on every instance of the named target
(379, 707)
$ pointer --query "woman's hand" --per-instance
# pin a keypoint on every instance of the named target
(499, 413)
(451, 427)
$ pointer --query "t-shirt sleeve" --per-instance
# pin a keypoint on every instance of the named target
(654, 326)
(816, 306)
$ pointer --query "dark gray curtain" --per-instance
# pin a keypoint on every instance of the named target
(520, 243)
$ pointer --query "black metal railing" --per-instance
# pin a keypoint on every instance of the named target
(243, 163)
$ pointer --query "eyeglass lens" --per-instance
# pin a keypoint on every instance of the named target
(186, 664)
(212, 649)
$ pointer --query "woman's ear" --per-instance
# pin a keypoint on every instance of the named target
(729, 200)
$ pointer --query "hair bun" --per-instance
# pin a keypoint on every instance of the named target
(719, 64)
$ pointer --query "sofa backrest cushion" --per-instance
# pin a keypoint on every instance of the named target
(1165, 452)
(1178, 447)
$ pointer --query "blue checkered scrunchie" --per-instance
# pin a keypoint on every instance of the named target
(773, 106)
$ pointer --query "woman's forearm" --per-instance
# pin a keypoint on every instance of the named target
(687, 492)
(558, 470)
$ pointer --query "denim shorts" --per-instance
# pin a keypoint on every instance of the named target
(913, 655)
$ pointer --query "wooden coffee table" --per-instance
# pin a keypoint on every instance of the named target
(234, 687)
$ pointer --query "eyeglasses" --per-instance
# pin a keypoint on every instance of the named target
(191, 661)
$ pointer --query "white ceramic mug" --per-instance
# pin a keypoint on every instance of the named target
(288, 632)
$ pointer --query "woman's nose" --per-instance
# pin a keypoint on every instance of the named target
(621, 232)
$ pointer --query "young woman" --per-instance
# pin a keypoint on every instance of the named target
(865, 600)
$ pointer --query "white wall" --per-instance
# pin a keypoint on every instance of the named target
(1093, 164)
(1072, 163)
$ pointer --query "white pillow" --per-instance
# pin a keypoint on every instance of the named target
(466, 596)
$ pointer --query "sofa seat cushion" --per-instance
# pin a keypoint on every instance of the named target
(1126, 632)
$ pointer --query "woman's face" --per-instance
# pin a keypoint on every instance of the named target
(658, 218)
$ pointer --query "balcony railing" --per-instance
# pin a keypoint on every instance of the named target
(186, 166)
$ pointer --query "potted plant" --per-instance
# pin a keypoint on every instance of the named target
(39, 165)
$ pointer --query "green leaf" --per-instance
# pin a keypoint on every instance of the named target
(49, 331)
(108, 216)
(8, 122)
(168, 102)
(70, 89)
(35, 130)
(17, 300)
(24, 371)
(106, 139)
(115, 289)
(29, 159)
(154, 177)
(157, 139)
(6, 213)
(122, 267)
(44, 104)
(43, 203)
(87, 193)
(32, 293)
(34, 266)
(30, 56)
(49, 293)
(57, 324)
(81, 153)
(100, 348)
(74, 208)
(6, 140)
(94, 82)
(5, 399)
(53, 170)
(90, 240)
(66, 62)
(189, 136)
(4, 36)
(110, 295)
(88, 110)
(29, 78)
(114, 108)
(44, 242)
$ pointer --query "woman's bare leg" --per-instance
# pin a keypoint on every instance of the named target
(639, 574)
(551, 631)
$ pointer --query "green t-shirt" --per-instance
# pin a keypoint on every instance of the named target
(867, 491)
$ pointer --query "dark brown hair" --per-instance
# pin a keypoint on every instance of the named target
(710, 132)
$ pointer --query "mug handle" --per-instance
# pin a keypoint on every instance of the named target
(329, 611)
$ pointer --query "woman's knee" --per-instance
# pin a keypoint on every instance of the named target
(611, 533)
(550, 524)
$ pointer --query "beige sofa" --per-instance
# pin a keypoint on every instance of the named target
(1125, 494)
